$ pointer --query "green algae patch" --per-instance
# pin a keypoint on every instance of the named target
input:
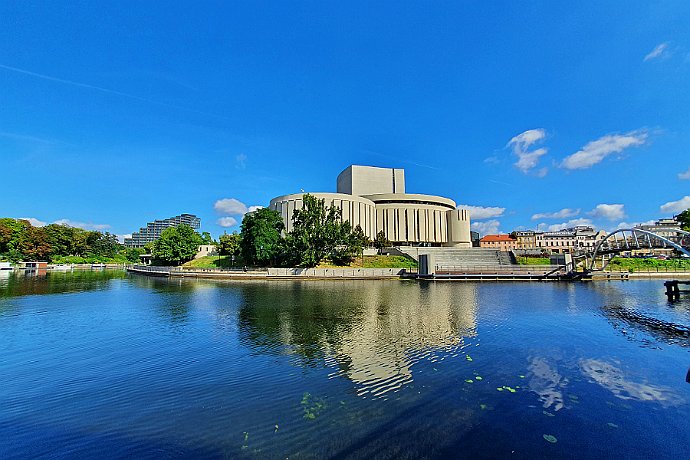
(311, 406)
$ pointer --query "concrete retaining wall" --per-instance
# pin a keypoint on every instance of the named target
(335, 272)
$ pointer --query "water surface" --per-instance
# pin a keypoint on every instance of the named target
(109, 365)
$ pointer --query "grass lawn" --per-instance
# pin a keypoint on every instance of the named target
(210, 262)
(377, 262)
(534, 261)
(369, 262)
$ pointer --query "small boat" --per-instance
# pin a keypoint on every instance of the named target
(97, 266)
(61, 267)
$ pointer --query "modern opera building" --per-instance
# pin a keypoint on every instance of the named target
(375, 199)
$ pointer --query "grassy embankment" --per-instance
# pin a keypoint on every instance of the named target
(369, 262)
(633, 265)
(620, 264)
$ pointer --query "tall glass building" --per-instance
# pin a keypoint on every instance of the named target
(153, 230)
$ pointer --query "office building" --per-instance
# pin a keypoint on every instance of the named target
(153, 230)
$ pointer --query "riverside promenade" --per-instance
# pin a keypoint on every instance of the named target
(274, 273)
(516, 273)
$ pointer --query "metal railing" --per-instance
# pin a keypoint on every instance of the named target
(502, 269)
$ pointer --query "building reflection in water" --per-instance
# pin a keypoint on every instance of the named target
(371, 332)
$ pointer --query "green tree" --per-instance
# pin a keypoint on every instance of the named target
(381, 241)
(61, 238)
(206, 238)
(132, 254)
(684, 220)
(229, 245)
(11, 231)
(261, 243)
(176, 245)
(319, 233)
(34, 244)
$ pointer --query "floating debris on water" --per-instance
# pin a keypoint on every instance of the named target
(548, 414)
(276, 429)
(612, 425)
(550, 438)
(482, 406)
(469, 381)
(468, 358)
(478, 377)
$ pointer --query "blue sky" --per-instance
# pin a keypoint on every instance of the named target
(536, 114)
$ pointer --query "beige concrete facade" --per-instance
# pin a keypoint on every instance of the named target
(374, 199)
(355, 209)
(370, 180)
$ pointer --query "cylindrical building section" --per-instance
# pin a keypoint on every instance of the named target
(411, 219)
(459, 228)
(355, 209)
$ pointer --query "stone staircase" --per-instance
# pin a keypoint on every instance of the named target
(462, 257)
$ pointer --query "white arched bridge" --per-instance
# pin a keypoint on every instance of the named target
(634, 239)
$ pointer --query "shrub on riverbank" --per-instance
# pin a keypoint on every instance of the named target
(644, 265)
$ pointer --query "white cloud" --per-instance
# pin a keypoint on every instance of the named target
(230, 206)
(544, 227)
(676, 206)
(241, 161)
(121, 238)
(630, 225)
(82, 225)
(528, 160)
(489, 227)
(608, 211)
(684, 175)
(660, 50)
(562, 214)
(33, 221)
(595, 151)
(227, 221)
(480, 212)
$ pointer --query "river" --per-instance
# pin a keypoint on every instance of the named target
(109, 365)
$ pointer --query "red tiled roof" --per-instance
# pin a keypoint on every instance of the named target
(497, 238)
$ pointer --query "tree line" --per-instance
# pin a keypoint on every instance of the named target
(57, 243)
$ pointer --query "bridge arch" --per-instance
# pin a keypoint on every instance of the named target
(636, 238)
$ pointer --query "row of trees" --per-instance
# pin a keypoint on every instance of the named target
(317, 234)
(19, 240)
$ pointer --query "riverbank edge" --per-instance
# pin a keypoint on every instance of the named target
(278, 273)
(357, 274)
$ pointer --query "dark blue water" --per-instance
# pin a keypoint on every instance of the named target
(108, 365)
